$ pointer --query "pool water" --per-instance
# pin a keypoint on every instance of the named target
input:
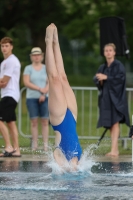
(36, 180)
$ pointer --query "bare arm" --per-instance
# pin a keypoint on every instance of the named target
(45, 89)
(4, 81)
(28, 84)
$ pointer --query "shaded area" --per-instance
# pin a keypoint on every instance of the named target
(24, 166)
(113, 167)
(40, 166)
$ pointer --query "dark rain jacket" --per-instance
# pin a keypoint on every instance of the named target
(115, 87)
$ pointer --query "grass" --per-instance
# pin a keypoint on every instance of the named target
(86, 125)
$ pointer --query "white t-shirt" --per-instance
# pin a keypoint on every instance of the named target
(11, 67)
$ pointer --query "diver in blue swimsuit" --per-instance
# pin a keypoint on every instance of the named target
(69, 143)
(62, 104)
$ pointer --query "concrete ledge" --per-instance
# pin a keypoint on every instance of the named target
(121, 158)
(25, 157)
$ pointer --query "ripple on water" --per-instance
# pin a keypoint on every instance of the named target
(46, 180)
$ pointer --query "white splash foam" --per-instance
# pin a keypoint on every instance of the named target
(56, 169)
(85, 163)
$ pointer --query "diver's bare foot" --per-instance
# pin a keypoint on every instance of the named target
(112, 154)
(49, 33)
(55, 36)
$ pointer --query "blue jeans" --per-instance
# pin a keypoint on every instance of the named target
(37, 109)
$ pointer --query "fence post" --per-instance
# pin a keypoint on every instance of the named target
(132, 141)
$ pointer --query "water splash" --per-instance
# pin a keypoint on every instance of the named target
(56, 169)
(84, 166)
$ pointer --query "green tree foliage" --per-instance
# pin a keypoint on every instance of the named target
(78, 23)
(26, 21)
(34, 14)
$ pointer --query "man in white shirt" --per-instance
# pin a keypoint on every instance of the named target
(10, 93)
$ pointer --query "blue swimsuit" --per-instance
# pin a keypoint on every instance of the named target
(69, 143)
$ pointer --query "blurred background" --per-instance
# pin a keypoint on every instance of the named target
(79, 33)
(78, 25)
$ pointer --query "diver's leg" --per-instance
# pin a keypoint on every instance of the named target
(68, 92)
(56, 101)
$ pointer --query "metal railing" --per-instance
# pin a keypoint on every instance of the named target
(88, 113)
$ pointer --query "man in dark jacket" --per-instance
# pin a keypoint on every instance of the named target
(111, 82)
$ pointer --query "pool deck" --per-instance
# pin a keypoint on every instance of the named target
(31, 157)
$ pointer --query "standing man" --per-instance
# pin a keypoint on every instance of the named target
(111, 81)
(10, 93)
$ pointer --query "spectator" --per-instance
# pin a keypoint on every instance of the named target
(10, 93)
(35, 79)
(111, 81)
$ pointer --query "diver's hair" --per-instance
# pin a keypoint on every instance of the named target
(110, 44)
(6, 40)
